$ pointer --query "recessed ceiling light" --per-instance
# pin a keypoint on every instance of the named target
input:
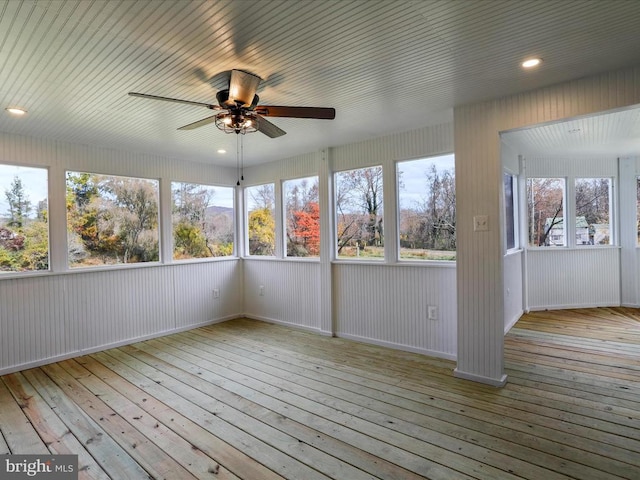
(16, 110)
(532, 62)
(222, 150)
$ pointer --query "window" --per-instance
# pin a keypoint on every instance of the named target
(302, 217)
(359, 226)
(427, 208)
(261, 223)
(202, 218)
(24, 229)
(593, 211)
(545, 204)
(510, 209)
(111, 220)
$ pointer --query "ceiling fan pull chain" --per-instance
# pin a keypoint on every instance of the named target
(242, 158)
(238, 157)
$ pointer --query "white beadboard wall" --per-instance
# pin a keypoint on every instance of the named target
(63, 313)
(513, 288)
(291, 292)
(480, 276)
(387, 305)
(574, 278)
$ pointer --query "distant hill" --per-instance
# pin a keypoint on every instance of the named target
(218, 210)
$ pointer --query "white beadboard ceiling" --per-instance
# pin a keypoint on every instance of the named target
(386, 66)
(608, 134)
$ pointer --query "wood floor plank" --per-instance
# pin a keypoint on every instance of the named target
(167, 390)
(152, 445)
(104, 449)
(20, 435)
(55, 434)
(238, 462)
(275, 412)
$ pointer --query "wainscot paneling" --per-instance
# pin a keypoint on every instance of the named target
(48, 317)
(573, 278)
(513, 289)
(388, 305)
(290, 293)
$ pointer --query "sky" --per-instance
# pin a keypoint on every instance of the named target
(414, 176)
(34, 181)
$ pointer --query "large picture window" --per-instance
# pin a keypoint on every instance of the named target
(302, 216)
(427, 208)
(359, 228)
(261, 222)
(111, 220)
(545, 204)
(202, 218)
(24, 230)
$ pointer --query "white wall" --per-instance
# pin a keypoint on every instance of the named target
(480, 277)
(46, 316)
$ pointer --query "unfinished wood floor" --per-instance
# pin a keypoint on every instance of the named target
(255, 401)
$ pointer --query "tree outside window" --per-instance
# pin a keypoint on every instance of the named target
(202, 218)
(111, 220)
(360, 232)
(24, 229)
(261, 223)
(593, 211)
(427, 208)
(302, 216)
(545, 204)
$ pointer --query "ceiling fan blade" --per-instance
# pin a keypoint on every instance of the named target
(199, 123)
(242, 87)
(175, 100)
(296, 112)
(269, 129)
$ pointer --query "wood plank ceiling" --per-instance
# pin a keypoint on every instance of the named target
(386, 66)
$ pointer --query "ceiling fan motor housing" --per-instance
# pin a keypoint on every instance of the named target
(223, 100)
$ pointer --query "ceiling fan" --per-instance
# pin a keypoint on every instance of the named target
(239, 111)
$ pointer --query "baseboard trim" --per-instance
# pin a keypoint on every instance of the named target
(306, 328)
(570, 306)
(494, 382)
(107, 346)
(513, 321)
(398, 346)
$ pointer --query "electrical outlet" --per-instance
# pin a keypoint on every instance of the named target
(261, 290)
(481, 223)
(216, 293)
(432, 312)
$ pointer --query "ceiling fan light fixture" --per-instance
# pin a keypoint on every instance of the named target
(237, 122)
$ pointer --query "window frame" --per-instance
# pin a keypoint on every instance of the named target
(565, 209)
(119, 265)
(285, 226)
(245, 196)
(234, 219)
(47, 183)
(335, 240)
(418, 261)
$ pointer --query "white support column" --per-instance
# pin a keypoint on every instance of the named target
(327, 240)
